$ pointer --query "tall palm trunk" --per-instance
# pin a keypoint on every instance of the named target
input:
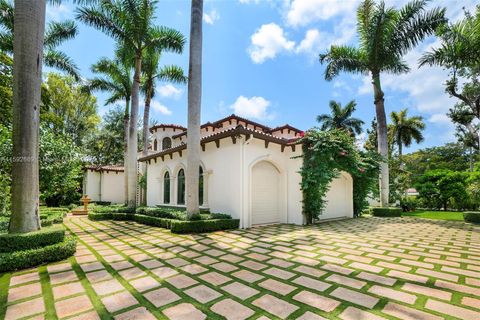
(400, 154)
(29, 31)
(382, 139)
(132, 135)
(146, 119)
(194, 108)
(126, 122)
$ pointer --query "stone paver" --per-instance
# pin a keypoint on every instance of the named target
(184, 311)
(25, 309)
(335, 269)
(25, 291)
(69, 307)
(232, 310)
(119, 301)
(161, 297)
(275, 306)
(202, 293)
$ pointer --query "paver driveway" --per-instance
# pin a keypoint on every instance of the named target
(368, 268)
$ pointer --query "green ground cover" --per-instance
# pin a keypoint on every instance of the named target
(437, 215)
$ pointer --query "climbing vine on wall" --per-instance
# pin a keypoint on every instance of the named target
(325, 155)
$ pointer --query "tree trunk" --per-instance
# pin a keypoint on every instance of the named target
(194, 108)
(146, 117)
(126, 123)
(382, 136)
(29, 31)
(400, 158)
(132, 135)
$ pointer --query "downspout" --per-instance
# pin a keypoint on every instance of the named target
(242, 180)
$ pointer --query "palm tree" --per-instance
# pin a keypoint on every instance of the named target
(151, 74)
(459, 53)
(194, 108)
(27, 72)
(341, 118)
(130, 22)
(117, 80)
(55, 34)
(386, 35)
(405, 130)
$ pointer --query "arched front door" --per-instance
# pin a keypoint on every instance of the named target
(265, 193)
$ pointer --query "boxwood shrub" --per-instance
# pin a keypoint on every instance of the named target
(472, 216)
(23, 241)
(10, 261)
(386, 212)
(203, 225)
(176, 226)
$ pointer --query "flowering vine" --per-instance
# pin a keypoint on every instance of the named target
(325, 155)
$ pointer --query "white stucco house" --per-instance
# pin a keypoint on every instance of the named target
(247, 170)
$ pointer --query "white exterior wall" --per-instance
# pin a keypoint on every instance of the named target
(113, 187)
(105, 186)
(92, 185)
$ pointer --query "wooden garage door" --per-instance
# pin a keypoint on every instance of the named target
(265, 195)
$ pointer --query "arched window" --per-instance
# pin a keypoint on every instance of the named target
(166, 187)
(155, 145)
(200, 186)
(181, 187)
(166, 143)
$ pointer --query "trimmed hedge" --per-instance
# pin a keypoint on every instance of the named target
(472, 216)
(203, 225)
(11, 261)
(386, 212)
(176, 226)
(24, 241)
(4, 222)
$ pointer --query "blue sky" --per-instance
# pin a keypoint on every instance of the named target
(260, 60)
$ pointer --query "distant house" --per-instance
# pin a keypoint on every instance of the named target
(412, 192)
(247, 169)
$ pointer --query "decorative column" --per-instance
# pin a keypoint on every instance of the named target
(206, 174)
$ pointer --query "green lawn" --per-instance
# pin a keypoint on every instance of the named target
(438, 215)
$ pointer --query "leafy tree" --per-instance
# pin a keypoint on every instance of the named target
(131, 24)
(67, 109)
(6, 93)
(60, 169)
(443, 189)
(341, 118)
(5, 168)
(451, 156)
(405, 130)
(106, 145)
(56, 33)
(194, 108)
(386, 35)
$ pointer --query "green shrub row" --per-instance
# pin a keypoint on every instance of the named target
(53, 209)
(201, 226)
(166, 213)
(23, 241)
(176, 226)
(471, 216)
(113, 209)
(386, 212)
(10, 261)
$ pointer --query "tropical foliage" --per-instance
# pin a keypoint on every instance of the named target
(386, 35)
(325, 155)
(405, 130)
(56, 34)
(341, 118)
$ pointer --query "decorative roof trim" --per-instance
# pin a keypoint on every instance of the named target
(99, 168)
(167, 126)
(232, 132)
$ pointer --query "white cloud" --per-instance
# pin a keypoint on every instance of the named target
(304, 12)
(59, 12)
(439, 118)
(267, 42)
(157, 106)
(170, 91)
(211, 17)
(254, 107)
